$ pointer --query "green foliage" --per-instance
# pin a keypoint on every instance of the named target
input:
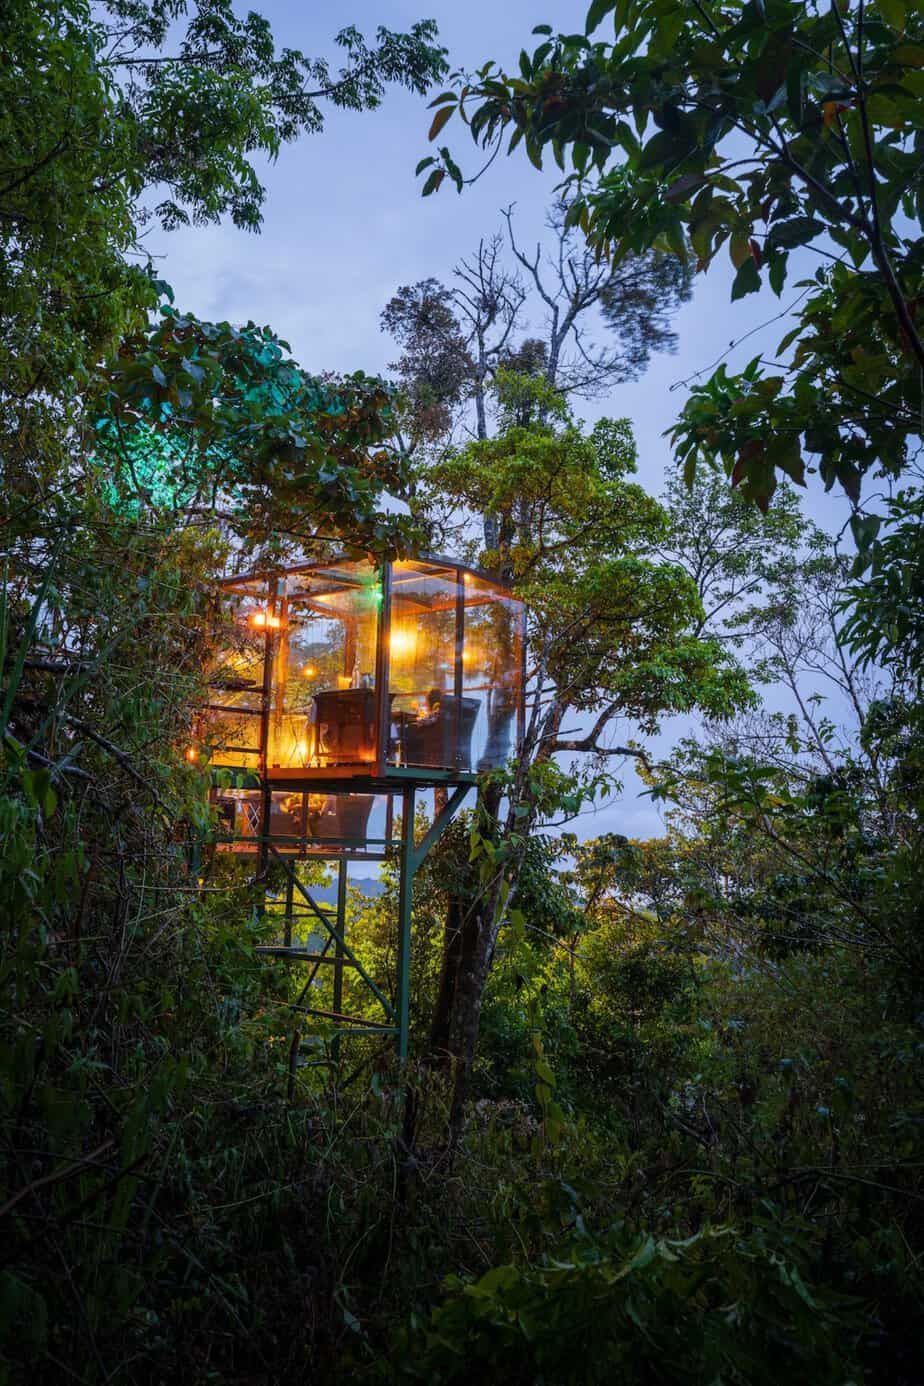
(99, 108)
(612, 624)
(693, 1148)
(885, 618)
(201, 416)
(711, 1306)
(759, 128)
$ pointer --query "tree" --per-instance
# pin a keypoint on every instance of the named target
(101, 110)
(435, 367)
(138, 458)
(200, 422)
(763, 128)
(610, 640)
(455, 338)
(635, 300)
(886, 599)
(733, 554)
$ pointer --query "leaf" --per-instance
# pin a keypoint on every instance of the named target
(909, 55)
(784, 235)
(597, 12)
(433, 182)
(439, 120)
(747, 280)
(739, 248)
(865, 528)
(424, 163)
(894, 12)
(777, 275)
(544, 1073)
(163, 289)
(686, 184)
(795, 85)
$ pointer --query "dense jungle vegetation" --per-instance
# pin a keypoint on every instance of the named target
(664, 1117)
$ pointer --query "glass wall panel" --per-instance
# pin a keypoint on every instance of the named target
(491, 669)
(428, 724)
(230, 731)
(324, 671)
(304, 823)
(298, 667)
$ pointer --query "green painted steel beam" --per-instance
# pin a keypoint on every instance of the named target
(405, 903)
(438, 826)
(383, 1000)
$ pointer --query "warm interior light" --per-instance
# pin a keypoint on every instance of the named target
(343, 681)
(403, 641)
(310, 671)
(192, 753)
(264, 620)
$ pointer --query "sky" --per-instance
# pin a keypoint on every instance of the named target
(345, 225)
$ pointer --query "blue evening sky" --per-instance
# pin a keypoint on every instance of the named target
(345, 225)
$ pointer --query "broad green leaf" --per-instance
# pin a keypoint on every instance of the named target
(597, 12)
(747, 280)
(894, 12)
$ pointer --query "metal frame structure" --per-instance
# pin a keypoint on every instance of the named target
(382, 777)
(336, 951)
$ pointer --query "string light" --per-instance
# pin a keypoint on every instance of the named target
(265, 620)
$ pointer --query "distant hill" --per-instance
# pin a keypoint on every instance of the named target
(369, 885)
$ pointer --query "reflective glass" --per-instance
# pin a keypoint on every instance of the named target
(423, 707)
(324, 672)
(491, 668)
(230, 731)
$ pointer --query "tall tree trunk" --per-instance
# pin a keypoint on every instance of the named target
(444, 1007)
(474, 965)
(468, 946)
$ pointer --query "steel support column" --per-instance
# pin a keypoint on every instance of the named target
(339, 948)
(407, 866)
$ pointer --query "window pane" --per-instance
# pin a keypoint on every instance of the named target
(491, 666)
(303, 823)
(324, 675)
(424, 711)
(231, 725)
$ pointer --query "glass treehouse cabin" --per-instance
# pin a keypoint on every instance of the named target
(342, 683)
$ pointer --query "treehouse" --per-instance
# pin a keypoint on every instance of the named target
(341, 692)
(340, 684)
